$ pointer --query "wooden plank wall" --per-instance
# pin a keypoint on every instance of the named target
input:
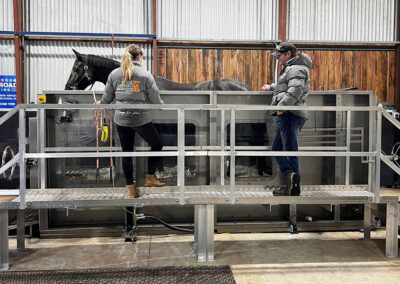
(251, 67)
(333, 69)
(366, 70)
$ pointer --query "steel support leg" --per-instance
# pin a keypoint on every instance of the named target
(337, 212)
(3, 240)
(196, 227)
(392, 223)
(43, 219)
(21, 229)
(367, 221)
(210, 232)
(204, 230)
(293, 218)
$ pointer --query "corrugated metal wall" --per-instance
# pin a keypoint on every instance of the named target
(7, 57)
(6, 15)
(217, 19)
(7, 51)
(49, 63)
(89, 16)
(342, 20)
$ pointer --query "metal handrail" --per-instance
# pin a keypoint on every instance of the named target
(185, 107)
(9, 114)
(181, 152)
(390, 117)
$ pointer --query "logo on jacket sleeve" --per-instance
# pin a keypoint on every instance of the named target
(136, 88)
(282, 76)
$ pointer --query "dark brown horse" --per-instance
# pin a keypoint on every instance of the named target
(90, 68)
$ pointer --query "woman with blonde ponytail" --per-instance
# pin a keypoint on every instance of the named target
(132, 84)
(126, 62)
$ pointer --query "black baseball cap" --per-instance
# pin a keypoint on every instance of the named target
(284, 47)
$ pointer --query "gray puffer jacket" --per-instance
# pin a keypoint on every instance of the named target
(293, 84)
(142, 89)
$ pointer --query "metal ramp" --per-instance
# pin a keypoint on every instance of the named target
(170, 195)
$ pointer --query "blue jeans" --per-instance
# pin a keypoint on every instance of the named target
(289, 126)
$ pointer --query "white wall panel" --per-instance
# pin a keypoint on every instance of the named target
(89, 16)
(217, 19)
(342, 20)
(7, 57)
(6, 15)
(49, 63)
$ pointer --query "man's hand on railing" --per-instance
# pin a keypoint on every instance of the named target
(266, 87)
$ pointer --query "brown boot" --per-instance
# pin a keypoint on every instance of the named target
(151, 180)
(132, 191)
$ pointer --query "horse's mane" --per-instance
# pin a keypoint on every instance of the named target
(100, 61)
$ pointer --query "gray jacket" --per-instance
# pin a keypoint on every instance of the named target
(142, 89)
(293, 84)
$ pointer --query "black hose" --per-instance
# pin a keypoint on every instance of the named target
(172, 227)
(168, 225)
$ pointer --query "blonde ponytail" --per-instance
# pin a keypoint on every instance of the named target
(131, 53)
(127, 66)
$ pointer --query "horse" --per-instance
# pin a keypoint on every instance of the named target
(89, 68)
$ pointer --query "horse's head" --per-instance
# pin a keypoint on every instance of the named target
(81, 74)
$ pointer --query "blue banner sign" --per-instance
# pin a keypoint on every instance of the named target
(8, 91)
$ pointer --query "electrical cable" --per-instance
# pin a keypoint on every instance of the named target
(8, 150)
(172, 227)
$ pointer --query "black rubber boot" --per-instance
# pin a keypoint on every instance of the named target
(293, 183)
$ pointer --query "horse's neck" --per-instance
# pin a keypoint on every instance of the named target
(101, 74)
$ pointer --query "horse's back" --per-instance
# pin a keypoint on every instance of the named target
(225, 84)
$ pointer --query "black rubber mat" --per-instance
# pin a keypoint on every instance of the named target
(164, 275)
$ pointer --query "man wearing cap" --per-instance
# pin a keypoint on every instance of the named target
(291, 89)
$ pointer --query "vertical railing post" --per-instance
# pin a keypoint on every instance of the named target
(213, 139)
(339, 141)
(348, 137)
(42, 162)
(42, 145)
(222, 170)
(378, 154)
(232, 163)
(21, 147)
(181, 155)
(372, 143)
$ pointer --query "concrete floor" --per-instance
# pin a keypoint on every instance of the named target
(333, 257)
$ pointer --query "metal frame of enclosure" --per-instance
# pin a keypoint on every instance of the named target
(204, 197)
